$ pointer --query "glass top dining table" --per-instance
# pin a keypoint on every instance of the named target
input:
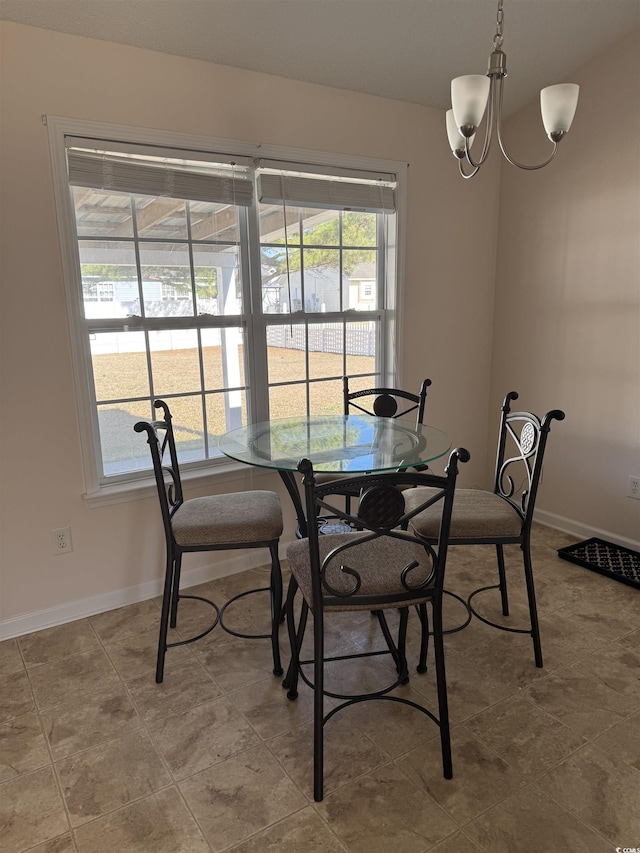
(347, 444)
(336, 443)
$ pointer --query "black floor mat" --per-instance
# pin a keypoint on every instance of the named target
(614, 561)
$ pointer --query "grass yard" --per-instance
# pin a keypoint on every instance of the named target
(119, 376)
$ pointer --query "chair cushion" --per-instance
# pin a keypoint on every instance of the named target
(237, 517)
(379, 563)
(477, 514)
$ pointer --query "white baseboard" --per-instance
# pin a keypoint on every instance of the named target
(17, 626)
(583, 531)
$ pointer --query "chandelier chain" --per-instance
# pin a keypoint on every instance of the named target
(498, 38)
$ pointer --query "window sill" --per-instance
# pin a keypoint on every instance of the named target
(225, 472)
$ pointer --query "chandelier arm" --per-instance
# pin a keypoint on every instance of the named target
(487, 137)
(462, 172)
(502, 145)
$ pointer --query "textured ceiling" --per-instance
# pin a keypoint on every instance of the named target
(404, 49)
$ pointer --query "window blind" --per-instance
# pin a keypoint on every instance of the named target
(332, 194)
(120, 174)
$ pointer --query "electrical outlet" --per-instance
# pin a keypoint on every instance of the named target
(633, 489)
(61, 541)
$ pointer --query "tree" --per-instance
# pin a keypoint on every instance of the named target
(358, 230)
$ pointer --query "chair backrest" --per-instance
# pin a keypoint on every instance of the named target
(385, 402)
(165, 463)
(521, 445)
(380, 515)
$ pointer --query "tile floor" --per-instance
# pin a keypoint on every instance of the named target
(97, 758)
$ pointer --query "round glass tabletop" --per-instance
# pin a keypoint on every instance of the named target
(336, 443)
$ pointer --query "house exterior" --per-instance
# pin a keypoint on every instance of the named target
(321, 289)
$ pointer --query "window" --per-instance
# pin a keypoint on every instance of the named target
(236, 288)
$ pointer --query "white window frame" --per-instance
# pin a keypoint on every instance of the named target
(59, 128)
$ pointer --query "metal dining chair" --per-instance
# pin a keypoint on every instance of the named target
(503, 515)
(236, 520)
(381, 564)
(385, 402)
(382, 403)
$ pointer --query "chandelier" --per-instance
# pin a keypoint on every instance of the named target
(471, 94)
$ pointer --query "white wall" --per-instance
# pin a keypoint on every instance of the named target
(567, 320)
(446, 311)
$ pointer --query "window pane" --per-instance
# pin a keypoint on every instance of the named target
(275, 298)
(174, 361)
(161, 217)
(361, 345)
(166, 280)
(109, 280)
(321, 227)
(225, 412)
(281, 283)
(122, 448)
(272, 223)
(186, 415)
(101, 213)
(362, 274)
(325, 350)
(325, 364)
(119, 365)
(285, 401)
(322, 290)
(359, 229)
(210, 221)
(325, 398)
(218, 283)
(286, 356)
(223, 358)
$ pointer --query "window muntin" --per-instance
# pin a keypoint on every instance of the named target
(174, 273)
(313, 261)
(314, 356)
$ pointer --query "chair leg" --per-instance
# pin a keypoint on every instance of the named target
(403, 669)
(318, 706)
(175, 595)
(397, 655)
(441, 683)
(276, 607)
(290, 681)
(424, 636)
(164, 616)
(531, 595)
(502, 580)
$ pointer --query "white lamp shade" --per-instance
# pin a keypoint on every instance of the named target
(558, 106)
(469, 95)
